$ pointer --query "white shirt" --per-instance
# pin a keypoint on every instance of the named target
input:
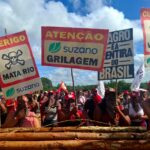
(133, 113)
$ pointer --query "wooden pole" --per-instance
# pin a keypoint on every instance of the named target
(116, 90)
(73, 86)
(5, 31)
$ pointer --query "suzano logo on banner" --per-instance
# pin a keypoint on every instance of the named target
(73, 47)
(18, 72)
(54, 47)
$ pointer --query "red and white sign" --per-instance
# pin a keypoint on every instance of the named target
(18, 71)
(145, 20)
(80, 48)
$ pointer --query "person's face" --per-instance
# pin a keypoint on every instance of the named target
(145, 94)
(3, 99)
(25, 100)
(126, 97)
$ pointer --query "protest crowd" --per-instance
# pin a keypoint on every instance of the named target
(80, 108)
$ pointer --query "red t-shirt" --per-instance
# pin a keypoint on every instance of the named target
(11, 105)
(97, 99)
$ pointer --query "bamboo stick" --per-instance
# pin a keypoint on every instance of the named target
(76, 129)
(75, 144)
(42, 136)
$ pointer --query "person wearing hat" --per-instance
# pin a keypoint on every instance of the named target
(96, 96)
(24, 117)
(81, 99)
(67, 111)
(91, 104)
(122, 117)
(126, 100)
(105, 111)
(50, 111)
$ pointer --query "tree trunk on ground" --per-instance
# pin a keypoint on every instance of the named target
(42, 136)
(76, 129)
(75, 144)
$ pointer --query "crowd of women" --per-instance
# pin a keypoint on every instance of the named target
(83, 108)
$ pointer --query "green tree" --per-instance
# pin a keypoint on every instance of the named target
(47, 84)
(122, 86)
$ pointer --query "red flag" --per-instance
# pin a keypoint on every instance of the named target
(63, 87)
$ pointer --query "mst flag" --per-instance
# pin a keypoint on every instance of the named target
(138, 78)
(62, 87)
(101, 88)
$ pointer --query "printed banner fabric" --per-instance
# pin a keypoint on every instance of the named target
(119, 62)
(18, 71)
(74, 47)
(145, 20)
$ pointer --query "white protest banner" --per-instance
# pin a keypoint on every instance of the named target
(18, 71)
(138, 78)
(145, 20)
(101, 88)
(119, 62)
(81, 48)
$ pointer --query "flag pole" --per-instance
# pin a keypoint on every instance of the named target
(5, 31)
(73, 85)
(116, 90)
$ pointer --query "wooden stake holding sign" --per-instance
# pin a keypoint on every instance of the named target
(73, 86)
(116, 91)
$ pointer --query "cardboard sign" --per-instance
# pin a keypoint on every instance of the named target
(119, 62)
(74, 47)
(145, 20)
(18, 71)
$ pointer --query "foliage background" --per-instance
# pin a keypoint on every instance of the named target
(122, 85)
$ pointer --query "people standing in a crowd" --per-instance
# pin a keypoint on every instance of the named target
(122, 115)
(24, 117)
(68, 113)
(3, 109)
(50, 110)
(21, 116)
(136, 112)
(80, 99)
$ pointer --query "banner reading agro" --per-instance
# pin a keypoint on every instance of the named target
(74, 47)
(18, 72)
(119, 62)
(145, 20)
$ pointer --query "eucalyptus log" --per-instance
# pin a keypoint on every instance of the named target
(76, 129)
(76, 144)
(42, 136)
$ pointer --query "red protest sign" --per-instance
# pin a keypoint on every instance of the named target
(81, 48)
(18, 71)
(145, 20)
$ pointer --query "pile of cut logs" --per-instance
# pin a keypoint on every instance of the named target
(90, 137)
